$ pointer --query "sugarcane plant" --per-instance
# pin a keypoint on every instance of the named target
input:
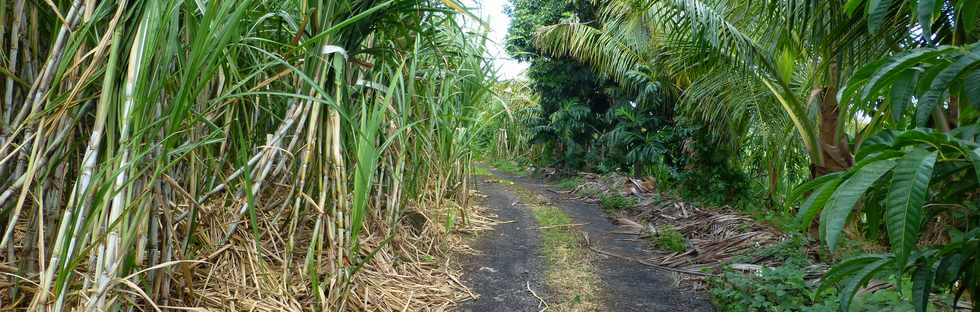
(140, 140)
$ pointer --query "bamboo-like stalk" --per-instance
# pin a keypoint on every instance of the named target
(109, 256)
(146, 152)
(35, 99)
(8, 94)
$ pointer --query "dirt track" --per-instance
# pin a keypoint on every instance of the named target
(510, 260)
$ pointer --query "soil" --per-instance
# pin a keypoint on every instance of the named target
(510, 259)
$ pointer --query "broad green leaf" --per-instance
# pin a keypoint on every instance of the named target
(877, 11)
(974, 157)
(811, 207)
(887, 72)
(859, 78)
(942, 82)
(903, 208)
(949, 269)
(925, 10)
(921, 284)
(852, 6)
(878, 142)
(841, 203)
(968, 14)
(797, 193)
(844, 269)
(969, 134)
(922, 136)
(860, 278)
(902, 90)
(971, 88)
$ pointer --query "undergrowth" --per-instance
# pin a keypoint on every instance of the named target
(569, 183)
(512, 167)
(784, 288)
(480, 171)
(669, 238)
(613, 201)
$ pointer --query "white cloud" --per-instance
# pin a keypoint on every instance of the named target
(492, 12)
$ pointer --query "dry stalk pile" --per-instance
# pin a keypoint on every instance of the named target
(713, 236)
(247, 155)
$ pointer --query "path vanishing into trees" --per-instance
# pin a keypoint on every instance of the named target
(558, 253)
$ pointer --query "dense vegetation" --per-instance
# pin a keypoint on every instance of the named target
(254, 155)
(858, 116)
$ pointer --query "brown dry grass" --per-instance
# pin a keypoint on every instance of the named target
(415, 271)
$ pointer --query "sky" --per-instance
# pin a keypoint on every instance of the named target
(492, 12)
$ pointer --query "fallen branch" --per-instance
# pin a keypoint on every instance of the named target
(560, 226)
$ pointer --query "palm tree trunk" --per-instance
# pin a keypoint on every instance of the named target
(833, 145)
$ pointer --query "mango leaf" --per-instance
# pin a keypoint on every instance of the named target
(922, 136)
(859, 279)
(937, 90)
(887, 72)
(974, 157)
(797, 193)
(859, 78)
(921, 284)
(839, 206)
(903, 207)
(971, 88)
(844, 269)
(949, 269)
(813, 204)
(878, 142)
(902, 89)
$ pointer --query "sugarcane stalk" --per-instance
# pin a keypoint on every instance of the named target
(43, 84)
(108, 259)
(8, 95)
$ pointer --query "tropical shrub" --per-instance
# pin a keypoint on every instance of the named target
(772, 289)
(669, 238)
(613, 202)
(911, 181)
(569, 183)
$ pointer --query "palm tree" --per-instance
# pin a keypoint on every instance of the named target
(795, 52)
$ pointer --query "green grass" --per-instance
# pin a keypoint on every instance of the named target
(569, 183)
(612, 202)
(480, 171)
(510, 167)
(589, 191)
(669, 238)
(570, 269)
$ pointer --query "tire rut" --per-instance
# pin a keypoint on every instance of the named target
(510, 258)
(509, 261)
